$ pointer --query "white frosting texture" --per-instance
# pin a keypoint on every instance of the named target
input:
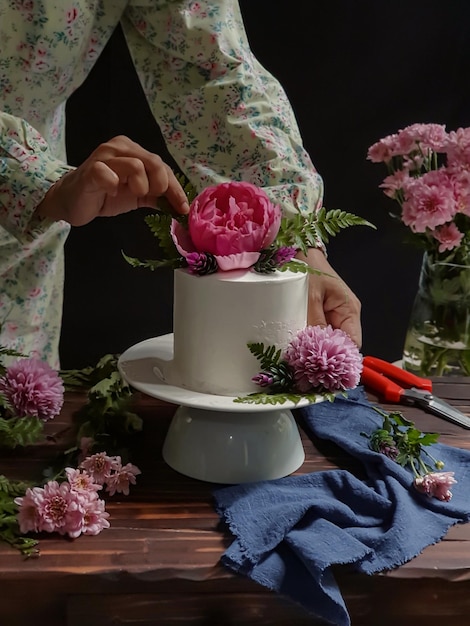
(217, 315)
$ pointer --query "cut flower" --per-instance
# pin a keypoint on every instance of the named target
(399, 440)
(318, 360)
(32, 389)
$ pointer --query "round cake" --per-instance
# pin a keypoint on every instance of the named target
(217, 315)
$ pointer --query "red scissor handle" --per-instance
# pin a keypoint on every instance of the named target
(383, 385)
(389, 379)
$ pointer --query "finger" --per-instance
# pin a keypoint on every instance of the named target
(131, 172)
(175, 194)
(99, 177)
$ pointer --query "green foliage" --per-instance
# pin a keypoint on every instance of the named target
(20, 431)
(159, 224)
(303, 231)
(406, 440)
(9, 529)
(266, 356)
(282, 398)
(106, 417)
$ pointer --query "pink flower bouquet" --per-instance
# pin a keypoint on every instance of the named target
(429, 177)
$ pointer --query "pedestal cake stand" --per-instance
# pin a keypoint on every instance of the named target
(213, 438)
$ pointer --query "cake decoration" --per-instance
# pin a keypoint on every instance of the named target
(238, 288)
(234, 225)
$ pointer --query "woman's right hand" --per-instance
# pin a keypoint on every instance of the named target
(119, 176)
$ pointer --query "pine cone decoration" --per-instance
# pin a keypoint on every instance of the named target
(201, 263)
(282, 377)
(267, 262)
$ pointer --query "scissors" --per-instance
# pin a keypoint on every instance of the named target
(397, 385)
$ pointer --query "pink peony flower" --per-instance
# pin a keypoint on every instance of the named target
(324, 358)
(436, 485)
(233, 221)
(32, 388)
(430, 201)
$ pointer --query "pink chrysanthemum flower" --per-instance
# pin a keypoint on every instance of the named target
(95, 518)
(120, 479)
(58, 508)
(430, 201)
(81, 481)
(99, 466)
(436, 485)
(324, 358)
(32, 388)
(28, 517)
(448, 236)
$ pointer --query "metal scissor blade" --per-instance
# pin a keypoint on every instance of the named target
(437, 406)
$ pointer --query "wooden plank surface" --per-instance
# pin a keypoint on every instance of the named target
(161, 554)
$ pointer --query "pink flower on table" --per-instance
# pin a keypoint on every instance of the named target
(28, 517)
(449, 237)
(99, 466)
(233, 221)
(52, 508)
(324, 358)
(436, 485)
(430, 201)
(95, 518)
(32, 388)
(81, 481)
(121, 478)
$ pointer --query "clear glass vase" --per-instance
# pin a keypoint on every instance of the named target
(438, 338)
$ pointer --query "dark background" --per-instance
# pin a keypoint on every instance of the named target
(354, 71)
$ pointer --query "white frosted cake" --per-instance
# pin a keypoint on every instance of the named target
(217, 315)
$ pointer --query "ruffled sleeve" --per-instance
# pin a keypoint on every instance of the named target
(223, 115)
(27, 170)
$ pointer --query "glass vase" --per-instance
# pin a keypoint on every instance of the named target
(438, 337)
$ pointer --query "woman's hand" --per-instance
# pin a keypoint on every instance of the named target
(330, 299)
(119, 176)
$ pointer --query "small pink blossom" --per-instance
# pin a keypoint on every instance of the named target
(32, 388)
(80, 480)
(119, 480)
(436, 485)
(95, 518)
(100, 466)
(324, 358)
(449, 237)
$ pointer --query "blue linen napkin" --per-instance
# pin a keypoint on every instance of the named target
(290, 532)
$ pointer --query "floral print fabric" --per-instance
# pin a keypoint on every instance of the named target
(223, 117)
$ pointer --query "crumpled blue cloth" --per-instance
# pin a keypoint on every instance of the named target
(290, 532)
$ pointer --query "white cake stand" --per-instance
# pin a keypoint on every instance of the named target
(213, 438)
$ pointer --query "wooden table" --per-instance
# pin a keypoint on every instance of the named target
(158, 564)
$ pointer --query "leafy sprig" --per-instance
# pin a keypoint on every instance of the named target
(9, 529)
(399, 439)
(304, 231)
